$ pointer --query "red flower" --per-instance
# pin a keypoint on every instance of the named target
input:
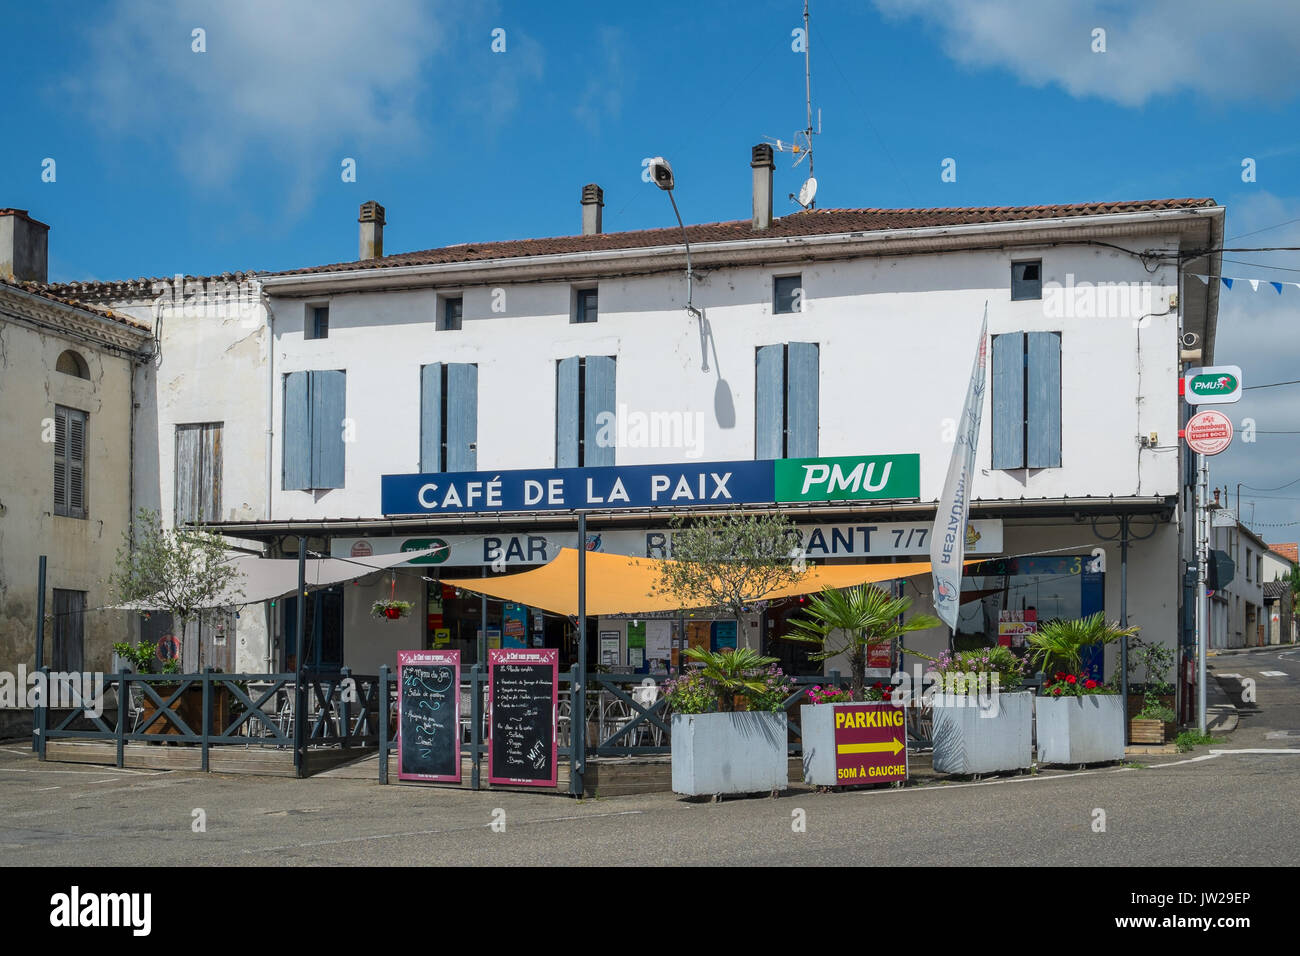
(1060, 675)
(1090, 684)
(1070, 679)
(1056, 691)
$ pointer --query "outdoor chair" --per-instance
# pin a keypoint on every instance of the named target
(135, 703)
(254, 727)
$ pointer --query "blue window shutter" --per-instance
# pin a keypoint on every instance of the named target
(566, 413)
(462, 417)
(296, 446)
(769, 402)
(1043, 401)
(328, 409)
(801, 402)
(1009, 400)
(431, 417)
(598, 410)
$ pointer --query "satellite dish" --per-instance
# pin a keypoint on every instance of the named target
(807, 192)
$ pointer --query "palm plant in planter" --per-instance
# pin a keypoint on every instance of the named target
(716, 748)
(1080, 720)
(851, 622)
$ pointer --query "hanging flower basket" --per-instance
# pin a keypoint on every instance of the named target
(391, 610)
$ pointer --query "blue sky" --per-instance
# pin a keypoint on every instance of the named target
(169, 160)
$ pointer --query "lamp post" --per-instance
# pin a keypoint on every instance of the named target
(662, 175)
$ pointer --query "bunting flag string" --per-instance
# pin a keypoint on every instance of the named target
(1254, 283)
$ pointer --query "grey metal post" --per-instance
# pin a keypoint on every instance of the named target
(123, 705)
(40, 641)
(42, 713)
(206, 718)
(1202, 597)
(578, 768)
(383, 723)
(475, 723)
(1123, 617)
(482, 614)
(299, 693)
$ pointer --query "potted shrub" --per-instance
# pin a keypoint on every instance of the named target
(823, 766)
(1080, 719)
(1149, 664)
(390, 610)
(1153, 723)
(982, 723)
(143, 659)
(718, 748)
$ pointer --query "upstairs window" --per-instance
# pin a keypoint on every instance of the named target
(69, 462)
(198, 473)
(318, 322)
(586, 306)
(71, 363)
(1027, 400)
(787, 294)
(448, 417)
(786, 401)
(450, 318)
(1027, 279)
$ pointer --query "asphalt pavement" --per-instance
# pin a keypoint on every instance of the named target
(1231, 803)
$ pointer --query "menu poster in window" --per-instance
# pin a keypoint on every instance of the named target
(428, 725)
(698, 634)
(522, 703)
(724, 636)
(515, 625)
(881, 655)
(609, 648)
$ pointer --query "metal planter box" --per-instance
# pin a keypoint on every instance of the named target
(742, 752)
(982, 735)
(1074, 730)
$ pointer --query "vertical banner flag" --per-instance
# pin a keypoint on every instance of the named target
(948, 539)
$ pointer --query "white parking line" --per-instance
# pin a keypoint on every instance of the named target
(1259, 750)
(1274, 674)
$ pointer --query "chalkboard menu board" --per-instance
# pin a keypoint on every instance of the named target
(522, 699)
(428, 705)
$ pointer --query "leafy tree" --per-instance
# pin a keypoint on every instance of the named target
(177, 570)
(853, 620)
(728, 563)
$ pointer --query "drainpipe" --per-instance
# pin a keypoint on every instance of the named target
(271, 618)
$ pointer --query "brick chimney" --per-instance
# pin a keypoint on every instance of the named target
(24, 247)
(593, 201)
(372, 230)
(762, 163)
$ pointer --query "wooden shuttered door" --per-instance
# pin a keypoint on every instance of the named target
(597, 408)
(1043, 400)
(769, 402)
(1027, 400)
(801, 400)
(69, 462)
(69, 630)
(198, 473)
(461, 415)
(566, 413)
(431, 418)
(315, 405)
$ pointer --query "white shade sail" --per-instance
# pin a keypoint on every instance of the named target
(265, 579)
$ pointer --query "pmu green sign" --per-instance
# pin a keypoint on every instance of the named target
(1212, 385)
(854, 477)
(423, 544)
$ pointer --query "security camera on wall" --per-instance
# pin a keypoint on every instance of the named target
(661, 173)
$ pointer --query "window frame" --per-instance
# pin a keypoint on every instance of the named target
(776, 294)
(63, 508)
(580, 295)
(312, 325)
(1021, 282)
(444, 321)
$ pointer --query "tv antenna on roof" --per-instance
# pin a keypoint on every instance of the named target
(802, 144)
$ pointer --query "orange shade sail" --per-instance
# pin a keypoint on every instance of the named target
(617, 584)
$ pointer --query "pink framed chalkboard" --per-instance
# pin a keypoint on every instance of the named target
(522, 702)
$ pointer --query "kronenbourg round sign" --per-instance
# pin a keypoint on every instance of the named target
(1208, 432)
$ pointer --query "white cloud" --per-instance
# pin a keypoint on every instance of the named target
(1227, 51)
(296, 80)
(603, 95)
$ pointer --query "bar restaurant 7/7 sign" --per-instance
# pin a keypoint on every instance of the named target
(654, 486)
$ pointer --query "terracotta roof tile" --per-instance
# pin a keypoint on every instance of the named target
(816, 222)
(44, 291)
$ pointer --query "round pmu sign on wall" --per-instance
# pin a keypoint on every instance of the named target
(1208, 432)
(1212, 385)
